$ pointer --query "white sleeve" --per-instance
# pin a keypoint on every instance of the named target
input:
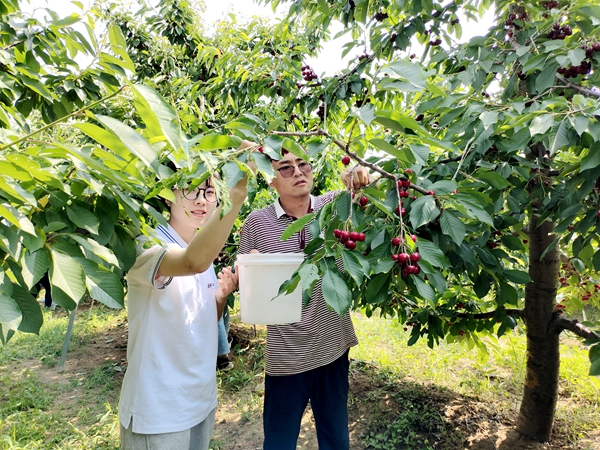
(143, 272)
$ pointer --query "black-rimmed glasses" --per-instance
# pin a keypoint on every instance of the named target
(288, 171)
(210, 194)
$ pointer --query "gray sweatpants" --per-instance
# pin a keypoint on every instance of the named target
(195, 438)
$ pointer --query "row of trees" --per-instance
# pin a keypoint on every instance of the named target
(487, 207)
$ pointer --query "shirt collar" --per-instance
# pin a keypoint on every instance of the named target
(170, 235)
(280, 212)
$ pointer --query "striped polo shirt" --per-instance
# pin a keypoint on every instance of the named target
(322, 335)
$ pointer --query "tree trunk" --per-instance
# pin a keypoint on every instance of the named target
(536, 414)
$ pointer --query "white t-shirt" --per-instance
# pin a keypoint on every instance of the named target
(170, 383)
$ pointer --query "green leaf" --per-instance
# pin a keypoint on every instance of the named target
(494, 179)
(294, 148)
(157, 114)
(309, 275)
(105, 138)
(443, 187)
(592, 159)
(83, 218)
(452, 226)
(549, 248)
(517, 276)
(377, 289)
(10, 314)
(541, 124)
(296, 226)
(366, 113)
(95, 248)
(431, 253)
(512, 242)
(595, 367)
(545, 80)
(424, 289)
(336, 292)
(103, 285)
(264, 166)
(579, 123)
(561, 138)
(135, 143)
(34, 266)
(67, 275)
(354, 267)
(232, 173)
(400, 154)
(343, 205)
(30, 309)
(215, 141)
(118, 45)
(424, 210)
(413, 73)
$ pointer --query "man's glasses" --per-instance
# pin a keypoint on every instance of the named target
(210, 194)
(288, 171)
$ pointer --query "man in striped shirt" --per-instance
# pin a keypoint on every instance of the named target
(307, 360)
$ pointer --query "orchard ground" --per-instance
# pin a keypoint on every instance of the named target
(400, 397)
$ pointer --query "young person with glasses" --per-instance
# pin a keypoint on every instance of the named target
(169, 393)
(308, 360)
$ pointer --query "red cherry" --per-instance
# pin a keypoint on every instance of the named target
(415, 257)
(354, 235)
(395, 257)
(260, 149)
(350, 244)
(363, 200)
(406, 183)
(408, 171)
(414, 197)
(337, 233)
(346, 160)
(345, 235)
(361, 237)
(398, 210)
(403, 211)
(431, 192)
(403, 257)
(413, 237)
(396, 241)
(400, 184)
(598, 214)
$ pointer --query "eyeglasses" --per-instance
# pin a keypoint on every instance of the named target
(210, 194)
(288, 171)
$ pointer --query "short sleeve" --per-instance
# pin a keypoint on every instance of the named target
(147, 262)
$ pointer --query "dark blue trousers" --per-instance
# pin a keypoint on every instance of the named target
(286, 398)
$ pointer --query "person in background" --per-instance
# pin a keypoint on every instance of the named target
(308, 360)
(175, 299)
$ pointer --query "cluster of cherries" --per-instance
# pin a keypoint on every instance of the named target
(308, 74)
(349, 238)
(510, 24)
(435, 42)
(409, 261)
(574, 71)
(380, 16)
(559, 32)
(585, 67)
(321, 111)
(551, 4)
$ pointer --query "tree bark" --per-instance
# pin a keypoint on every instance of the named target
(536, 414)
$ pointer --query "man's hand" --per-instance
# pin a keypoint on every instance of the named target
(359, 175)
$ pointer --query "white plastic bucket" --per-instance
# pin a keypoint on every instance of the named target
(260, 275)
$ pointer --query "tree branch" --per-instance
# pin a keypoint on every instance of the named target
(576, 87)
(489, 314)
(573, 325)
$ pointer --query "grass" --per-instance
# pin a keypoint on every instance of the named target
(406, 388)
